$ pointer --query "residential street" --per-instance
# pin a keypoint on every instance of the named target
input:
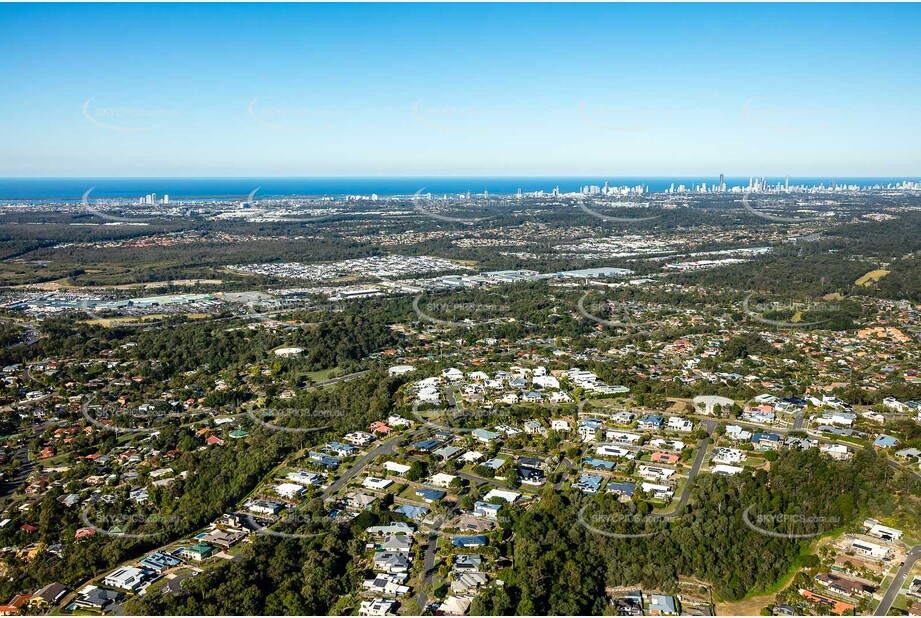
(385, 447)
(899, 582)
(695, 469)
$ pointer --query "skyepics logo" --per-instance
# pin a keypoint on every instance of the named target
(789, 525)
(290, 519)
(625, 322)
(126, 525)
(92, 207)
(292, 118)
(785, 121)
(469, 310)
(602, 523)
(319, 419)
(123, 320)
(456, 412)
(765, 207)
(752, 311)
(611, 219)
(425, 205)
(450, 118)
(269, 215)
(615, 119)
(124, 118)
(115, 419)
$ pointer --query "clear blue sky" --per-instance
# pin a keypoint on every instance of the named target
(325, 90)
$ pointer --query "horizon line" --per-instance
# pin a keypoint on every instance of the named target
(505, 176)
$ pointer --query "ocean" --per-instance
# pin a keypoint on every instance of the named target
(230, 188)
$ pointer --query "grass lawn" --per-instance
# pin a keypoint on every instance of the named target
(322, 374)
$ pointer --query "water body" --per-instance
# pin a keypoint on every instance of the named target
(239, 188)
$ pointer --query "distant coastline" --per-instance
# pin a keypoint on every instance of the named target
(228, 188)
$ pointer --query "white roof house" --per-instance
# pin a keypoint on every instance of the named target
(376, 483)
(882, 532)
(676, 423)
(442, 480)
(870, 550)
(399, 370)
(452, 375)
(304, 478)
(727, 455)
(660, 492)
(836, 451)
(724, 469)
(376, 607)
(656, 473)
(507, 496)
(125, 578)
(289, 490)
(737, 433)
(396, 468)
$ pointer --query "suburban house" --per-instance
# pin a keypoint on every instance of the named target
(884, 441)
(656, 473)
(197, 552)
(621, 437)
(506, 496)
(662, 605)
(468, 541)
(126, 578)
(666, 458)
(485, 436)
(870, 550)
(396, 468)
(737, 433)
(560, 425)
(391, 562)
(441, 480)
(667, 443)
(372, 482)
(624, 490)
(430, 495)
(377, 607)
(356, 502)
(835, 451)
(676, 423)
(467, 562)
(588, 429)
(874, 528)
(48, 595)
(394, 528)
(766, 441)
(289, 490)
(589, 484)
(727, 455)
(610, 450)
(652, 421)
(658, 492)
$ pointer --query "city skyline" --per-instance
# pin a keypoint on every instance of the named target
(484, 90)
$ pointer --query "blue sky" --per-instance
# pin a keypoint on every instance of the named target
(510, 89)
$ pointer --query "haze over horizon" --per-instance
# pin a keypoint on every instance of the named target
(319, 91)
